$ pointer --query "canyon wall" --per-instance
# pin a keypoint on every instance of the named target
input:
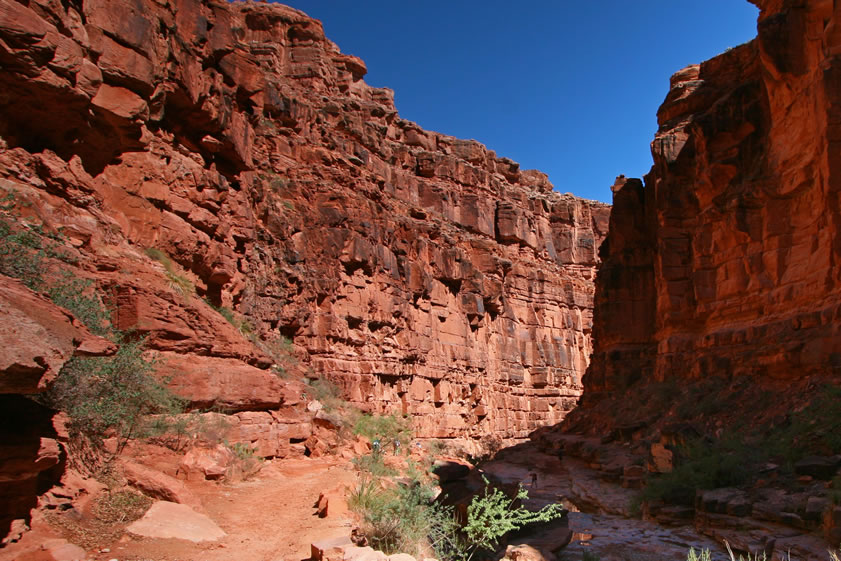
(198, 154)
(727, 262)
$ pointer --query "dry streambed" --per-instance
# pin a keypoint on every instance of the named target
(602, 521)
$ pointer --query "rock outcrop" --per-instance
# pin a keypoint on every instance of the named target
(37, 338)
(727, 262)
(717, 320)
(197, 153)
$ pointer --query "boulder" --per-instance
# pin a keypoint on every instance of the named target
(172, 520)
(200, 463)
(819, 467)
(38, 338)
(158, 485)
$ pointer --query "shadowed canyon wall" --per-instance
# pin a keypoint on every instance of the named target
(422, 273)
(728, 261)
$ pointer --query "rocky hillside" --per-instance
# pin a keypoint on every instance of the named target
(204, 154)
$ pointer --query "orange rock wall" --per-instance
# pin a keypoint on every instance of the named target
(728, 261)
(423, 273)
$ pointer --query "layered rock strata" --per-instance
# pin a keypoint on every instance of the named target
(727, 262)
(197, 153)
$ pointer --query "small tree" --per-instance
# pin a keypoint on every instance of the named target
(493, 514)
(111, 395)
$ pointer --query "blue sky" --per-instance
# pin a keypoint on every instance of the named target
(569, 88)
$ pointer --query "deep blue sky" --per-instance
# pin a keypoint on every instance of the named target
(568, 87)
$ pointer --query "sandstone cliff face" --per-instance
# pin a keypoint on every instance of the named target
(728, 263)
(422, 273)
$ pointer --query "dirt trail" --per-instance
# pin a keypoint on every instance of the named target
(269, 518)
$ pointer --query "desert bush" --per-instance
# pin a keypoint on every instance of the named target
(21, 254)
(120, 507)
(815, 429)
(242, 324)
(705, 555)
(385, 428)
(405, 518)
(172, 431)
(700, 555)
(493, 514)
(327, 393)
(25, 247)
(78, 296)
(703, 464)
(401, 517)
(280, 349)
(25, 250)
(246, 461)
(374, 465)
(111, 395)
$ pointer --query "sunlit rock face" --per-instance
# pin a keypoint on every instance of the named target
(422, 273)
(728, 261)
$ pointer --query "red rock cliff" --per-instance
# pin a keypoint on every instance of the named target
(423, 273)
(728, 261)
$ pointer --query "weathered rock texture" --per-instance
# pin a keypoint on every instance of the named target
(728, 261)
(37, 338)
(422, 273)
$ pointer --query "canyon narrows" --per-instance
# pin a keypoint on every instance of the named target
(266, 225)
(203, 159)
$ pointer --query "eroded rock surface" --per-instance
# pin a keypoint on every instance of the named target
(423, 273)
(37, 338)
(717, 307)
(727, 261)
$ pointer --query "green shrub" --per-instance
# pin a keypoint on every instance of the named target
(327, 393)
(703, 465)
(21, 254)
(405, 518)
(78, 296)
(816, 429)
(25, 247)
(280, 349)
(701, 555)
(493, 514)
(172, 431)
(241, 450)
(705, 555)
(111, 395)
(24, 252)
(402, 518)
(385, 428)
(246, 461)
(374, 465)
